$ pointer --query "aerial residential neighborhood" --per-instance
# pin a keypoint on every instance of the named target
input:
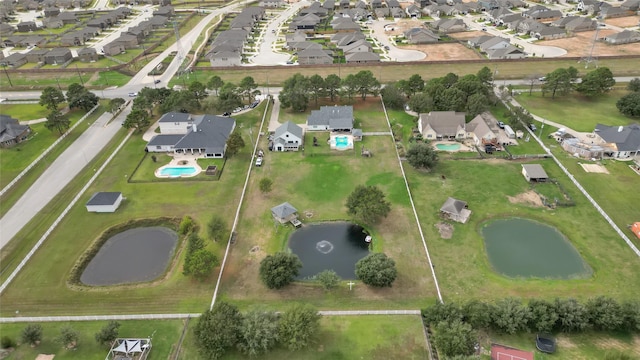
(301, 179)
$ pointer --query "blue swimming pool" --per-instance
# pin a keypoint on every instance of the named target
(342, 141)
(178, 171)
(448, 147)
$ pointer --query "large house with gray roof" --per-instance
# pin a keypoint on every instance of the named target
(203, 135)
(287, 137)
(12, 132)
(331, 118)
(442, 125)
(619, 141)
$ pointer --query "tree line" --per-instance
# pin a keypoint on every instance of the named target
(78, 97)
(198, 260)
(629, 104)
(455, 324)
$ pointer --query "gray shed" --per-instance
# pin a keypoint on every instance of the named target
(534, 172)
(104, 202)
(284, 212)
(456, 210)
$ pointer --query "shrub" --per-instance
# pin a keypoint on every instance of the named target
(186, 225)
(279, 269)
(7, 342)
(32, 334)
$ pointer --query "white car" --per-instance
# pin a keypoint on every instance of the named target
(133, 94)
(259, 161)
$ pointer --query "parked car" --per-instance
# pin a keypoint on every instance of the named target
(226, 114)
(260, 153)
(254, 104)
(133, 94)
(533, 127)
(543, 78)
(259, 161)
(157, 81)
(500, 124)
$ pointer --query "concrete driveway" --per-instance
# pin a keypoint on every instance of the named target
(394, 53)
(267, 54)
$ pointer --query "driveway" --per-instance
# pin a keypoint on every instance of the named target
(394, 53)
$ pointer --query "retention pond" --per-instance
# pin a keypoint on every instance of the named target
(524, 248)
(132, 256)
(329, 246)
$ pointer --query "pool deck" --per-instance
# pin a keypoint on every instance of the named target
(463, 146)
(181, 160)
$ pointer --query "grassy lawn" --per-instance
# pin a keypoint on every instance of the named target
(576, 111)
(24, 112)
(492, 189)
(166, 334)
(41, 287)
(319, 181)
(110, 78)
(346, 337)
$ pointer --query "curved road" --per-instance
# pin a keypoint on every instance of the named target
(394, 53)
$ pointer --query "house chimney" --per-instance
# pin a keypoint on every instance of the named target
(194, 127)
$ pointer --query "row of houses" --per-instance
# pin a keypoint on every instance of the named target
(48, 4)
(227, 48)
(135, 35)
(605, 10)
(57, 56)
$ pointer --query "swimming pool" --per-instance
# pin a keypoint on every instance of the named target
(342, 141)
(175, 171)
(448, 147)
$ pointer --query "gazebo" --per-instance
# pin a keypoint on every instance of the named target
(455, 210)
(284, 213)
(129, 349)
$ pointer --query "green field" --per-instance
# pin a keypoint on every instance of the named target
(25, 112)
(575, 111)
(166, 334)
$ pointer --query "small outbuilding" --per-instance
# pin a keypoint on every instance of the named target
(534, 172)
(284, 213)
(104, 202)
(456, 210)
(501, 352)
(636, 229)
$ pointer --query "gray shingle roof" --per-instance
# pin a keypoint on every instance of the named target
(453, 206)
(175, 117)
(288, 127)
(104, 198)
(210, 132)
(626, 138)
(283, 210)
(169, 139)
(535, 171)
(336, 117)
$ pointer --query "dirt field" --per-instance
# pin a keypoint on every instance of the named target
(594, 168)
(449, 51)
(627, 21)
(581, 43)
(528, 198)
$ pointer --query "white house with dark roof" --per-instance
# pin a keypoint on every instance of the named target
(331, 118)
(619, 141)
(203, 135)
(442, 125)
(104, 202)
(288, 137)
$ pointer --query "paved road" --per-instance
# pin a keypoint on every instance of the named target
(58, 175)
(266, 54)
(146, 12)
(394, 53)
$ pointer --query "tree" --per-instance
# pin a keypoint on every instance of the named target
(629, 104)
(596, 82)
(137, 119)
(68, 337)
(57, 121)
(199, 264)
(377, 270)
(218, 330)
(572, 316)
(217, 228)
(298, 326)
(634, 85)
(454, 338)
(421, 103)
(115, 104)
(32, 334)
(316, 86)
(510, 315)
(228, 98)
(366, 83)
(182, 101)
(543, 315)
(604, 313)
(422, 156)
(332, 85)
(412, 86)
(247, 86)
(476, 105)
(448, 312)
(485, 76)
(51, 98)
(234, 144)
(560, 81)
(108, 334)
(198, 90)
(533, 79)
(452, 99)
(477, 314)
(265, 185)
(328, 278)
(349, 86)
(258, 332)
(392, 97)
(85, 101)
(631, 315)
(295, 93)
(194, 243)
(215, 83)
(279, 270)
(367, 204)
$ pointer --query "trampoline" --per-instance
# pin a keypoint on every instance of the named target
(546, 343)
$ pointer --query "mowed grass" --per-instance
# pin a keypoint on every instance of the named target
(461, 263)
(41, 287)
(345, 337)
(166, 334)
(319, 185)
(575, 111)
(24, 112)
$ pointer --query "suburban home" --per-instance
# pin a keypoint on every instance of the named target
(421, 3)
(619, 141)
(420, 36)
(27, 26)
(316, 9)
(362, 58)
(581, 24)
(344, 39)
(285, 213)
(510, 52)
(607, 11)
(205, 135)
(68, 17)
(88, 54)
(104, 202)
(296, 37)
(442, 125)
(375, 4)
(358, 46)
(36, 55)
(6, 29)
(343, 4)
(494, 43)
(397, 13)
(14, 60)
(534, 173)
(272, 4)
(382, 12)
(456, 210)
(476, 41)
(331, 118)
(51, 11)
(58, 56)
(548, 33)
(633, 5)
(225, 58)
(480, 132)
(314, 56)
(413, 11)
(623, 37)
(329, 4)
(11, 132)
(113, 48)
(287, 137)
(52, 23)
(166, 11)
(306, 23)
(449, 25)
(344, 25)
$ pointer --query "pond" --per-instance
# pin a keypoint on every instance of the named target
(524, 248)
(132, 256)
(329, 246)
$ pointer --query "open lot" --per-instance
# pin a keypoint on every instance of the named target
(581, 43)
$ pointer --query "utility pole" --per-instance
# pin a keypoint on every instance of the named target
(80, 76)
(7, 73)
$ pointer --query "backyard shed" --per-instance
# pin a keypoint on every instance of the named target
(534, 172)
(636, 229)
(284, 212)
(104, 202)
(455, 210)
(502, 352)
